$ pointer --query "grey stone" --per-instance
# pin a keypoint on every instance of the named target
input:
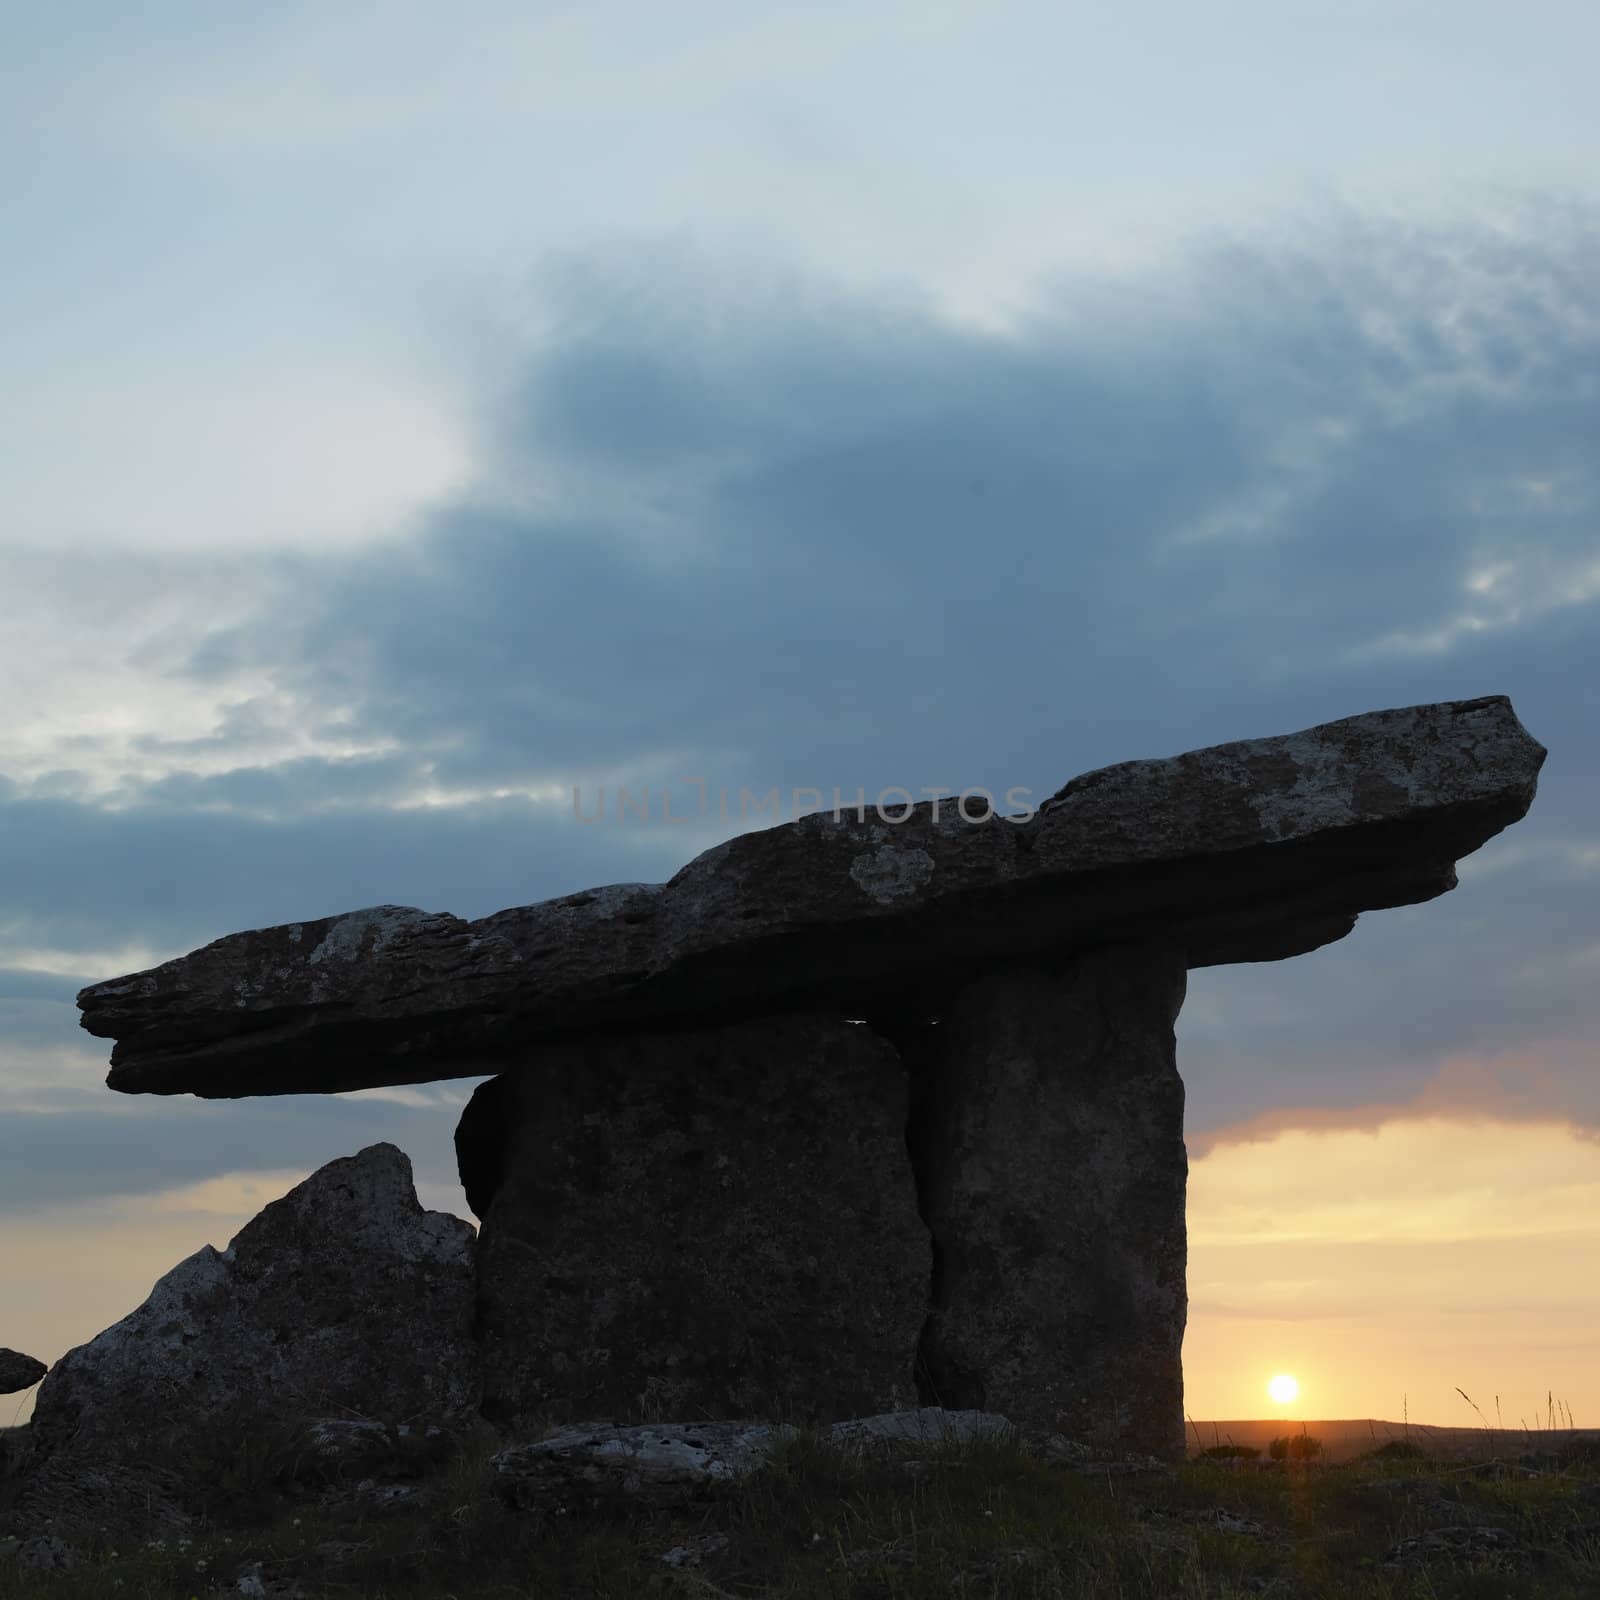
(90, 1499)
(924, 1428)
(263, 1581)
(695, 1551)
(715, 1222)
(344, 1295)
(669, 1463)
(348, 1440)
(1249, 851)
(1479, 1545)
(1053, 1173)
(18, 1371)
(1219, 1517)
(45, 1555)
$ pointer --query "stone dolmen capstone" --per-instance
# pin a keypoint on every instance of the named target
(343, 1298)
(719, 1063)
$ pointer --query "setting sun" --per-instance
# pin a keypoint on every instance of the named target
(1283, 1389)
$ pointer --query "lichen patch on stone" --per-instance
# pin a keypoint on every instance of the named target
(348, 938)
(888, 874)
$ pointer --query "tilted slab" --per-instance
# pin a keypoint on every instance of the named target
(1250, 851)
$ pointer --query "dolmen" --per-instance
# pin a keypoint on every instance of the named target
(856, 1114)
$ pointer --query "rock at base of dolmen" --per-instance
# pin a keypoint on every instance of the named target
(18, 1372)
(673, 1462)
(344, 1297)
(1055, 1175)
(719, 1222)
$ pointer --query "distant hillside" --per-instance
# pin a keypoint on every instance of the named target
(1343, 1439)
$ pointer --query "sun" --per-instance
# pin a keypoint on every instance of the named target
(1283, 1389)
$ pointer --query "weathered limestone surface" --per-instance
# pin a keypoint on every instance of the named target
(343, 1297)
(713, 1223)
(1053, 1173)
(18, 1371)
(1248, 851)
(670, 1462)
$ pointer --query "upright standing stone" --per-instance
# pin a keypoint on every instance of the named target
(1054, 1173)
(716, 1223)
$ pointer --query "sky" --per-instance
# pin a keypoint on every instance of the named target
(412, 417)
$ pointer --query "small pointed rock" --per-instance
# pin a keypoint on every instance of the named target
(343, 1296)
(18, 1371)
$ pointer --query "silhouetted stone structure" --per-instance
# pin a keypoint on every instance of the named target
(988, 1173)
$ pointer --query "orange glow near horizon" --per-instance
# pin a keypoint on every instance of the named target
(1396, 1264)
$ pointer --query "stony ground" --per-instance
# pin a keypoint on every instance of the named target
(425, 1518)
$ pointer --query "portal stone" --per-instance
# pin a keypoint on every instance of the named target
(1054, 1173)
(716, 1223)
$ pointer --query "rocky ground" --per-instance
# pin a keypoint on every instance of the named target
(360, 1511)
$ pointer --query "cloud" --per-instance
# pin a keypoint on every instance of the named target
(303, 454)
(1383, 1264)
(1546, 1082)
(783, 530)
(1544, 1079)
(1434, 1177)
(67, 1150)
(768, 531)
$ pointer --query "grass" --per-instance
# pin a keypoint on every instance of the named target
(981, 1520)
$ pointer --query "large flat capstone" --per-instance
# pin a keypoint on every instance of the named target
(1249, 851)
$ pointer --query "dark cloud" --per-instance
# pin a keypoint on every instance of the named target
(79, 878)
(19, 986)
(799, 538)
(906, 546)
(36, 1010)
